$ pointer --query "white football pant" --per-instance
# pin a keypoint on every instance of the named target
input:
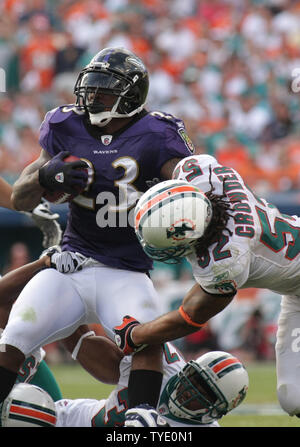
(52, 305)
(288, 355)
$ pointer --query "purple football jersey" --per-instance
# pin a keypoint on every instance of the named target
(121, 167)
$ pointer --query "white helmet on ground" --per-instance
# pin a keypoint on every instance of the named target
(28, 406)
(169, 218)
(207, 388)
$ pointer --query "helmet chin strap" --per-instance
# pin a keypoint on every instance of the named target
(101, 119)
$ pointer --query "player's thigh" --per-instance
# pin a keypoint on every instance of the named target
(126, 293)
(288, 354)
(48, 308)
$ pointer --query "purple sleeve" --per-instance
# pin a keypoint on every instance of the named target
(176, 144)
(46, 136)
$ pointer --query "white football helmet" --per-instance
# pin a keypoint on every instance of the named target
(207, 388)
(28, 406)
(169, 218)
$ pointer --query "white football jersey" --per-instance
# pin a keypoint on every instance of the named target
(263, 250)
(110, 412)
(30, 365)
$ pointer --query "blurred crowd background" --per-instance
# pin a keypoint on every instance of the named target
(229, 68)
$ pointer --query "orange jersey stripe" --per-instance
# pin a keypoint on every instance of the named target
(224, 363)
(161, 196)
(33, 413)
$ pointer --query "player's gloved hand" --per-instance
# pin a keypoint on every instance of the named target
(56, 175)
(46, 221)
(123, 336)
(49, 252)
(67, 261)
(64, 261)
(144, 416)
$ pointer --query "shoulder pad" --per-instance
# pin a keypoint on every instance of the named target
(202, 159)
(60, 114)
(168, 118)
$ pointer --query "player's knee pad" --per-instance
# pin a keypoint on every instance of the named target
(289, 398)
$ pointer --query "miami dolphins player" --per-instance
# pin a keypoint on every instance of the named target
(193, 394)
(233, 239)
(197, 393)
(126, 149)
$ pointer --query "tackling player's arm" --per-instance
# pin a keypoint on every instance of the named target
(5, 194)
(13, 282)
(197, 308)
(27, 191)
(98, 355)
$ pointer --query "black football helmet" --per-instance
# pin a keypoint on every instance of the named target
(117, 72)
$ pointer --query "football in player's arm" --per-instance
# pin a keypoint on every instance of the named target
(233, 239)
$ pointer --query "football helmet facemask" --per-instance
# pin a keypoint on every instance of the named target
(169, 218)
(113, 85)
(28, 406)
(207, 388)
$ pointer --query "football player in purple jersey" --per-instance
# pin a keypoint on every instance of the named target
(123, 149)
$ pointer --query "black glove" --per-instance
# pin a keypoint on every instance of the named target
(56, 175)
(123, 336)
(144, 416)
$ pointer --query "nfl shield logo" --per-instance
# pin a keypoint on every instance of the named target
(106, 139)
(59, 177)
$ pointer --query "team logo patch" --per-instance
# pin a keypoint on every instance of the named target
(227, 286)
(106, 139)
(178, 230)
(60, 177)
(239, 398)
(187, 141)
(135, 62)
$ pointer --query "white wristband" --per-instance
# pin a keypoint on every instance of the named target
(78, 344)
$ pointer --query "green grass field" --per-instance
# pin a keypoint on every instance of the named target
(260, 408)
